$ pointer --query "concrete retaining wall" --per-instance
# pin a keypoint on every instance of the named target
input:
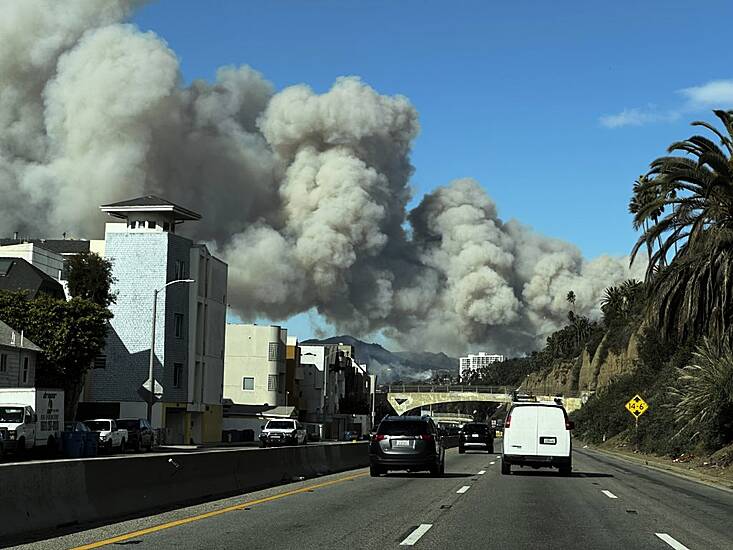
(43, 496)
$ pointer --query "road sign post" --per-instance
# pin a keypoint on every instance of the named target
(636, 406)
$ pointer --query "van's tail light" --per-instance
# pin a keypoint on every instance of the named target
(427, 437)
(378, 437)
(569, 424)
(508, 421)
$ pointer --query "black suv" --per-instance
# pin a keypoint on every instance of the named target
(407, 443)
(476, 435)
(140, 433)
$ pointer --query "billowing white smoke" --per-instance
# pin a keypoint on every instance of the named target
(304, 195)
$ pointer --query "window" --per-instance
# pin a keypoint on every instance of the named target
(166, 226)
(275, 352)
(177, 375)
(151, 224)
(100, 361)
(178, 319)
(180, 271)
(3, 362)
(272, 382)
(248, 383)
(25, 370)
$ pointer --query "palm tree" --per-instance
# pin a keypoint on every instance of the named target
(694, 294)
(704, 392)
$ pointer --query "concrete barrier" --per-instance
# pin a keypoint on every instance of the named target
(42, 496)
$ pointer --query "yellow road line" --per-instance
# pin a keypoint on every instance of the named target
(213, 513)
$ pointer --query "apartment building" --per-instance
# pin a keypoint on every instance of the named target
(473, 362)
(147, 254)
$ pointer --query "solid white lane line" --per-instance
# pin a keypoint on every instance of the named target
(416, 534)
(481, 472)
(463, 489)
(609, 494)
(673, 543)
(492, 463)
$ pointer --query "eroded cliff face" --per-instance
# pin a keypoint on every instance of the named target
(586, 373)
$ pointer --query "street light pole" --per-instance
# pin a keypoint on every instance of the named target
(151, 397)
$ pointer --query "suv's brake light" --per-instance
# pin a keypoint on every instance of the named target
(378, 437)
(507, 421)
(427, 437)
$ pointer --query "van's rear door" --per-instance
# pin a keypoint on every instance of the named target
(553, 439)
(521, 437)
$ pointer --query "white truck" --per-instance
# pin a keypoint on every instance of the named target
(110, 436)
(31, 418)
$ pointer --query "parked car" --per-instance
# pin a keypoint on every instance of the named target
(3, 438)
(139, 432)
(33, 418)
(283, 432)
(410, 443)
(537, 435)
(110, 436)
(476, 435)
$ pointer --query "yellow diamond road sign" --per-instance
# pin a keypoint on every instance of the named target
(637, 406)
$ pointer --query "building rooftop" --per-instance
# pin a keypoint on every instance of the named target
(10, 337)
(148, 203)
(16, 274)
(60, 246)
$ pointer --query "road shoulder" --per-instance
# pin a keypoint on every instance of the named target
(660, 465)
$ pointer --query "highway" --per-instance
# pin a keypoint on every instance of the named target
(606, 503)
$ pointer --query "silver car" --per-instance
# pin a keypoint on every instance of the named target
(410, 443)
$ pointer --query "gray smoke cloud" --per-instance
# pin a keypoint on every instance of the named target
(303, 194)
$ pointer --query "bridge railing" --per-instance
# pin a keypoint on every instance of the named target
(443, 388)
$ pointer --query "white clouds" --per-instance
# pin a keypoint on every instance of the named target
(716, 94)
(637, 117)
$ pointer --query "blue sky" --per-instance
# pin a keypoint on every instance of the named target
(555, 107)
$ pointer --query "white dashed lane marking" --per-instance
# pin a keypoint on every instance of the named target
(481, 472)
(416, 534)
(492, 463)
(672, 542)
(609, 494)
(463, 489)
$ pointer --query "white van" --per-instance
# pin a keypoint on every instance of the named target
(537, 434)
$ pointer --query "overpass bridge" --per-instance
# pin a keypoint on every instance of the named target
(406, 397)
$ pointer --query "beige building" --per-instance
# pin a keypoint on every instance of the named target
(254, 364)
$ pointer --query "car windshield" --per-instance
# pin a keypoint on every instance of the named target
(280, 425)
(475, 429)
(403, 427)
(98, 425)
(11, 415)
(129, 424)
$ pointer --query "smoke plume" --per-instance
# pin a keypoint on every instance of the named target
(304, 195)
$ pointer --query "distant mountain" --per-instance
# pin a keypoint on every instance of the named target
(405, 366)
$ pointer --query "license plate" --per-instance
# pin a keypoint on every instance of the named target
(401, 443)
(276, 436)
(475, 435)
(548, 440)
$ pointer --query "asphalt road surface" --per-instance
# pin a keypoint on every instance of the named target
(606, 503)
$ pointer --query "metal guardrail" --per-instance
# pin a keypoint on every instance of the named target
(452, 388)
(443, 388)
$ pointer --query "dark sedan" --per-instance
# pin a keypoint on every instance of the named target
(476, 435)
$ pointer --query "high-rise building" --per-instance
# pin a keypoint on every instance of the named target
(473, 362)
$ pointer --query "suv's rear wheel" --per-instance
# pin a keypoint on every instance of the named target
(461, 449)
(375, 471)
(506, 468)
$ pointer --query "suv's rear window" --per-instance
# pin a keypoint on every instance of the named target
(475, 429)
(129, 424)
(403, 427)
